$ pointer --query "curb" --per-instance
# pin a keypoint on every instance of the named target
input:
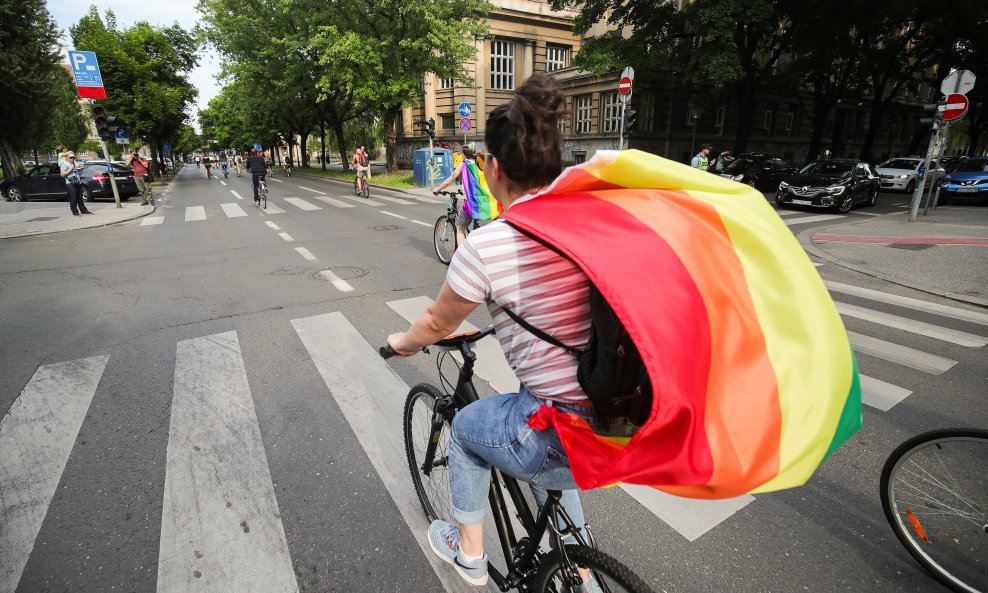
(805, 239)
(95, 226)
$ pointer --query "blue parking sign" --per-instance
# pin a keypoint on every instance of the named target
(85, 68)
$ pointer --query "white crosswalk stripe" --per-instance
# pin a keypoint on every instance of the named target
(300, 203)
(808, 219)
(908, 302)
(367, 201)
(152, 220)
(273, 208)
(394, 200)
(899, 354)
(233, 210)
(918, 327)
(194, 213)
(334, 202)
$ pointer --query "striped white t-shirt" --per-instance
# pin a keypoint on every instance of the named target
(499, 265)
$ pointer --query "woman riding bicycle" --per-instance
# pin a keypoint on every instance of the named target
(502, 267)
(463, 220)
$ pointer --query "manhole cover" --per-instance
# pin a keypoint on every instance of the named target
(386, 227)
(341, 272)
(43, 219)
(910, 246)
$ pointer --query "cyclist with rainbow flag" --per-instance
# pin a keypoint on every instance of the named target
(479, 204)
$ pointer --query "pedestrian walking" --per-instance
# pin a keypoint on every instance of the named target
(702, 158)
(73, 184)
(140, 171)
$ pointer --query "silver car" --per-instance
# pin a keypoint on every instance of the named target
(902, 174)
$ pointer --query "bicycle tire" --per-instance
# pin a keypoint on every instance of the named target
(939, 518)
(432, 490)
(611, 575)
(444, 239)
(356, 187)
(264, 199)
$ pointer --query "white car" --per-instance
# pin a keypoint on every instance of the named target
(902, 174)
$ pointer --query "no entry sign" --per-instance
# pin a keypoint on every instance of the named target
(955, 108)
(624, 86)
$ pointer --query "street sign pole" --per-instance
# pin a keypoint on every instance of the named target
(921, 185)
(109, 169)
(621, 127)
(934, 195)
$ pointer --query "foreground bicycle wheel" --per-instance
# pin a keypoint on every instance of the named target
(432, 489)
(444, 239)
(611, 575)
(934, 490)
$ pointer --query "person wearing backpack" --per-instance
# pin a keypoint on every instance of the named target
(500, 266)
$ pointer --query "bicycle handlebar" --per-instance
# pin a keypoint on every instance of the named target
(451, 194)
(454, 341)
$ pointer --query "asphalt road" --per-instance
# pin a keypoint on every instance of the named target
(183, 322)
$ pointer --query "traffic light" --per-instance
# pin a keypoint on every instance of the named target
(932, 109)
(104, 123)
(630, 121)
(430, 127)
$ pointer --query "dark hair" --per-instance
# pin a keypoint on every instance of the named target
(523, 134)
(468, 152)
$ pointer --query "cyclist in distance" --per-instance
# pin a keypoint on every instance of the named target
(206, 162)
(500, 266)
(238, 162)
(224, 162)
(258, 171)
(287, 162)
(361, 164)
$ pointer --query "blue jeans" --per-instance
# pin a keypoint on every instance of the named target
(494, 432)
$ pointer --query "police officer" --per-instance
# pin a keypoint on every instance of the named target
(702, 159)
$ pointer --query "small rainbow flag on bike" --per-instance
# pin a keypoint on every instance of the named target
(479, 202)
(754, 381)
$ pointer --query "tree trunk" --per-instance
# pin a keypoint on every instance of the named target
(391, 137)
(838, 144)
(746, 105)
(341, 142)
(12, 164)
(322, 143)
(303, 145)
(878, 109)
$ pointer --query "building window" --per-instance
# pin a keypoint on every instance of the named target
(561, 124)
(579, 157)
(692, 114)
(555, 57)
(767, 123)
(584, 104)
(721, 115)
(646, 112)
(502, 65)
(790, 117)
(446, 83)
(447, 121)
(612, 112)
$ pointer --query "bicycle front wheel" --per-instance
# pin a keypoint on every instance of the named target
(424, 426)
(934, 490)
(611, 575)
(444, 239)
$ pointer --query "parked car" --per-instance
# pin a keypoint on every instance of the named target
(44, 181)
(902, 174)
(833, 184)
(969, 179)
(949, 162)
(760, 170)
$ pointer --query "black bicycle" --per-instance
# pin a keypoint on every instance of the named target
(427, 419)
(934, 490)
(444, 233)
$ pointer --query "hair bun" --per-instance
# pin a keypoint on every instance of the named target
(541, 98)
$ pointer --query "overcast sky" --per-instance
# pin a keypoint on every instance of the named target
(166, 12)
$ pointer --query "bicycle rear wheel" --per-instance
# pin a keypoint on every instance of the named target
(422, 426)
(444, 239)
(611, 575)
(934, 490)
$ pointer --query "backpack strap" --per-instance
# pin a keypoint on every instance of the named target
(539, 333)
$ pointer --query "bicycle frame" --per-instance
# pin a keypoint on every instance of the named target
(521, 556)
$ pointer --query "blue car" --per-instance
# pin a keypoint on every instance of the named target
(969, 179)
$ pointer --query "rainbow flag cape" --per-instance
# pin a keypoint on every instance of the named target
(754, 381)
(479, 202)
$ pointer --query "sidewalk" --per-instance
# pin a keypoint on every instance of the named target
(23, 219)
(944, 253)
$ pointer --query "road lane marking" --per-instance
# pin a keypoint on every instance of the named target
(193, 213)
(223, 182)
(273, 179)
(272, 225)
(305, 253)
(422, 223)
(817, 264)
(366, 201)
(911, 325)
(36, 440)
(881, 395)
(220, 523)
(340, 285)
(691, 518)
(334, 202)
(818, 218)
(315, 191)
(300, 203)
(149, 220)
(788, 212)
(392, 214)
(908, 302)
(393, 200)
(238, 196)
(910, 357)
(232, 210)
(369, 400)
(286, 237)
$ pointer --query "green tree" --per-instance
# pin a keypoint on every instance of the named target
(30, 85)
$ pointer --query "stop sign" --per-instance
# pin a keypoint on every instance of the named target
(955, 108)
(624, 85)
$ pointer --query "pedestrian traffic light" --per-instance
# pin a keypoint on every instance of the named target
(104, 123)
(430, 127)
(630, 121)
(932, 109)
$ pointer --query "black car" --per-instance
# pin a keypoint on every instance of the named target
(833, 184)
(45, 182)
(760, 170)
